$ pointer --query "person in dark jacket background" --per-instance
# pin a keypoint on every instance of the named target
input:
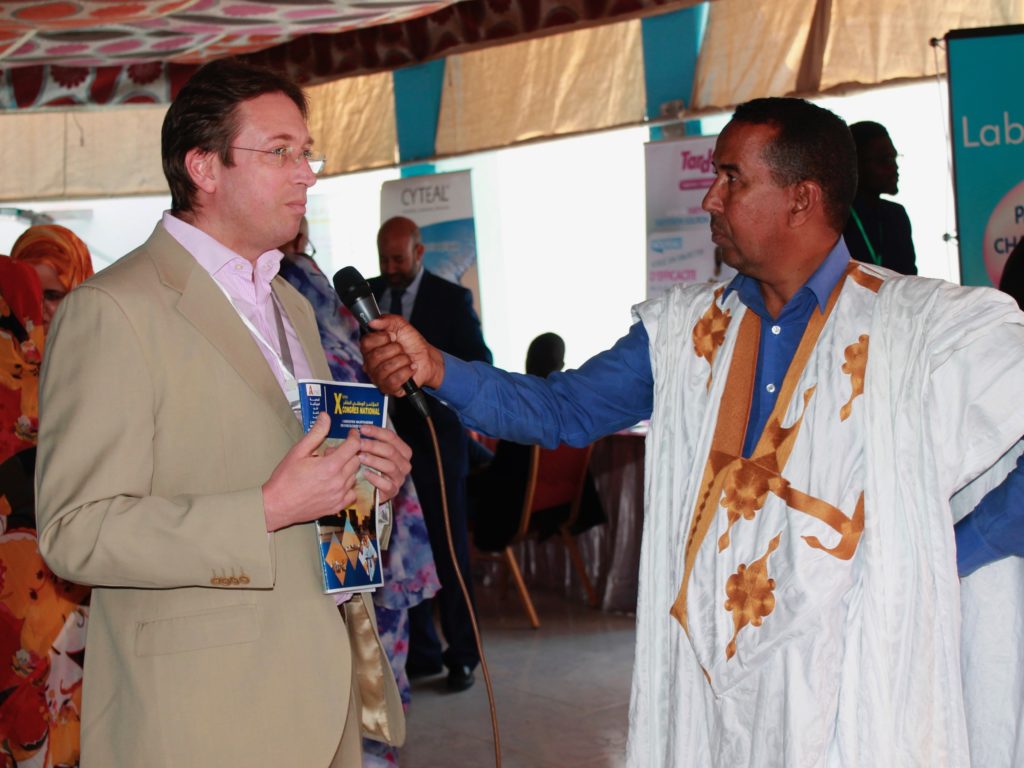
(878, 230)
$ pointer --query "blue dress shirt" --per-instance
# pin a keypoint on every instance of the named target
(995, 529)
(780, 336)
(615, 388)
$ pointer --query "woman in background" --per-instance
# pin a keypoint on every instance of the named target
(496, 492)
(545, 355)
(409, 575)
(21, 352)
(42, 618)
(60, 259)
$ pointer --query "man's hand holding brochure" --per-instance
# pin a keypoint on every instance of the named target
(350, 540)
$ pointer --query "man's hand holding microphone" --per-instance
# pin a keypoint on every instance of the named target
(394, 352)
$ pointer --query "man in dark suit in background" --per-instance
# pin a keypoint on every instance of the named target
(443, 313)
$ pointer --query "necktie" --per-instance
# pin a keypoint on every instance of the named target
(396, 301)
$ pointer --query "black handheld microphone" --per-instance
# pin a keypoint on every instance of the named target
(355, 293)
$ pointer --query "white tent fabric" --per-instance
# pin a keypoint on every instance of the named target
(796, 47)
(101, 152)
(871, 42)
(353, 122)
(81, 153)
(750, 49)
(584, 80)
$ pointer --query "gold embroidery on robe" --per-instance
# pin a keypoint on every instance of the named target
(750, 595)
(865, 280)
(856, 364)
(726, 445)
(746, 485)
(849, 528)
(777, 441)
(709, 332)
(741, 485)
(746, 488)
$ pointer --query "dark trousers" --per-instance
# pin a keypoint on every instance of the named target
(424, 644)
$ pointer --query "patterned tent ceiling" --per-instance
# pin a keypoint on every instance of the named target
(97, 34)
(56, 53)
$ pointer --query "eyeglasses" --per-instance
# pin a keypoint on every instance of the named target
(310, 249)
(316, 160)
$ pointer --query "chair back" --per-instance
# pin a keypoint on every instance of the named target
(490, 443)
(556, 478)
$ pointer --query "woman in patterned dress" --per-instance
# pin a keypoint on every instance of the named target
(409, 575)
(42, 618)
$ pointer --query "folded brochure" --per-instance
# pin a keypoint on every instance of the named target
(349, 540)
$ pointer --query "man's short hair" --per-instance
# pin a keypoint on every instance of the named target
(812, 144)
(204, 115)
(865, 132)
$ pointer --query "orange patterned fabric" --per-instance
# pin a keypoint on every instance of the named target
(21, 351)
(42, 618)
(58, 247)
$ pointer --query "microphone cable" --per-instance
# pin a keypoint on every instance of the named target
(355, 294)
(465, 595)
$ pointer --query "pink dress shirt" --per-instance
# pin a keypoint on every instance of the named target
(249, 289)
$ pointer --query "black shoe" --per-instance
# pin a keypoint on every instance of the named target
(419, 671)
(460, 678)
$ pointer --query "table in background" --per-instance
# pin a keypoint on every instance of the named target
(611, 551)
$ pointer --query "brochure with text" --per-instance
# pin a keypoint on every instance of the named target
(349, 540)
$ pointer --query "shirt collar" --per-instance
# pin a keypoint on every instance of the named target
(820, 284)
(414, 286)
(212, 255)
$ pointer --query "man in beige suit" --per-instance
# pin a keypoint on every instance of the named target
(174, 477)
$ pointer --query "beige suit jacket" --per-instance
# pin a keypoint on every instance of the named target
(210, 642)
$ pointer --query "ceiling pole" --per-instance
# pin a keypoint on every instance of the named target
(671, 43)
(417, 107)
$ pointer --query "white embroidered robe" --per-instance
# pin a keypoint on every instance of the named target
(820, 599)
(992, 642)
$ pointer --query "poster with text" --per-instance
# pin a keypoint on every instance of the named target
(986, 103)
(441, 204)
(679, 247)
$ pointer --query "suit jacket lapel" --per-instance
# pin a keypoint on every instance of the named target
(205, 306)
(423, 298)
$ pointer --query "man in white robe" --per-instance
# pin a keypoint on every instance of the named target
(799, 601)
